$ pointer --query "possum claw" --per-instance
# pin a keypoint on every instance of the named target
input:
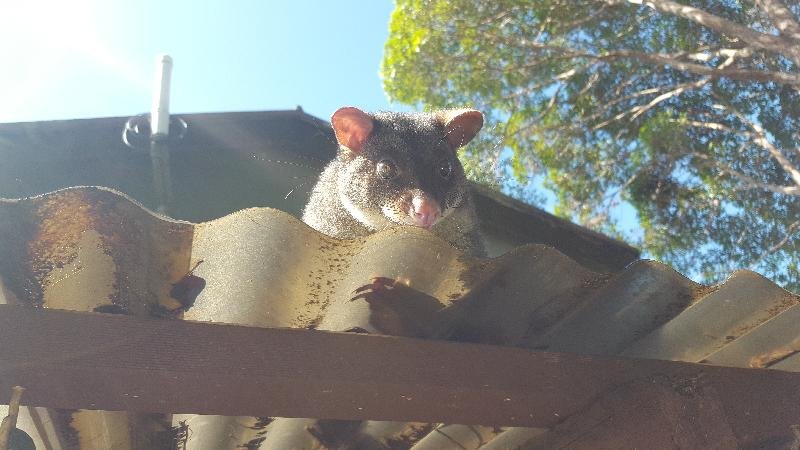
(375, 285)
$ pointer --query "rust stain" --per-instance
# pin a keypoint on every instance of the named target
(411, 435)
(700, 291)
(335, 262)
(787, 300)
(775, 356)
(62, 220)
(66, 218)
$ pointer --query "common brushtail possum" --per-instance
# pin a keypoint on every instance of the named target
(398, 169)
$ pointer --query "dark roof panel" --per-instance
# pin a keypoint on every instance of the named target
(225, 161)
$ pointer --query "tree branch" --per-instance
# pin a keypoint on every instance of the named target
(664, 59)
(759, 137)
(711, 126)
(639, 110)
(790, 230)
(746, 182)
(781, 17)
(699, 69)
(731, 29)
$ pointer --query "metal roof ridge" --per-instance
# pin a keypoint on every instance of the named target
(299, 112)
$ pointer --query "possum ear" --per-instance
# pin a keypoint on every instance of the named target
(460, 125)
(352, 127)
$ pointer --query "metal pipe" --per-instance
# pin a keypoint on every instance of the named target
(159, 126)
(159, 112)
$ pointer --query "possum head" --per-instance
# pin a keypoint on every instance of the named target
(401, 168)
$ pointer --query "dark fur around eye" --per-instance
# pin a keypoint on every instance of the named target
(455, 199)
(445, 169)
(386, 169)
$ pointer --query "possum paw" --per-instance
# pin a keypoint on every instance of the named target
(378, 286)
(398, 309)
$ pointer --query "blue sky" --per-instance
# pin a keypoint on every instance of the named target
(95, 58)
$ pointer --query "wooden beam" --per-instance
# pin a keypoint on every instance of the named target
(78, 360)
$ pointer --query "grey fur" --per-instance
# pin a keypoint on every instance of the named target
(416, 145)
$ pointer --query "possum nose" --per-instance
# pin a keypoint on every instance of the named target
(424, 211)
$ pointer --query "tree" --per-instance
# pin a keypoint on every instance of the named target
(688, 113)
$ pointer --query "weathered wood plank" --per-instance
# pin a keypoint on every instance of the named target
(97, 361)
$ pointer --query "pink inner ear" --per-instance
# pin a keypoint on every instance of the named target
(461, 126)
(352, 127)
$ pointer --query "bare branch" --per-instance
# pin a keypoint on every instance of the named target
(746, 183)
(781, 17)
(731, 29)
(662, 59)
(759, 137)
(711, 125)
(705, 55)
(601, 110)
(672, 60)
(699, 69)
(639, 110)
(589, 83)
(790, 230)
(608, 121)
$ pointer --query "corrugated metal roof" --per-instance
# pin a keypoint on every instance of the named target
(94, 249)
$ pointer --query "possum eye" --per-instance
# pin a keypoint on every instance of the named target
(386, 169)
(445, 169)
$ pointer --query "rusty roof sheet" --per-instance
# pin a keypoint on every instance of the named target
(93, 249)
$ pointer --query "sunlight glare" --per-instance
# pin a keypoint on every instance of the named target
(50, 38)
